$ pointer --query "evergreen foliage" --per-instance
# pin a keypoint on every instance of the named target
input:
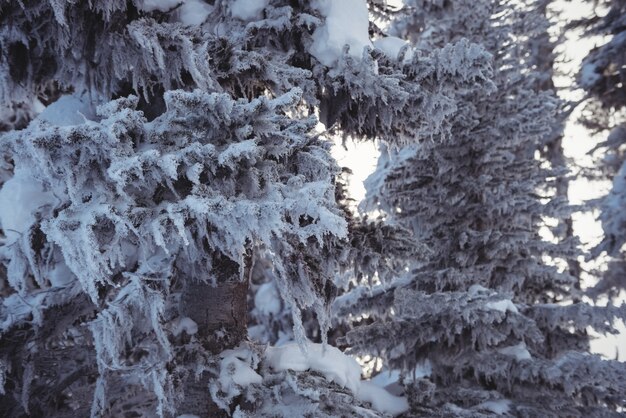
(494, 307)
(165, 183)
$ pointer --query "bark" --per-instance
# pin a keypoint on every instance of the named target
(221, 313)
(49, 374)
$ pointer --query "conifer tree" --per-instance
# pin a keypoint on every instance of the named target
(178, 148)
(602, 75)
(164, 156)
(494, 313)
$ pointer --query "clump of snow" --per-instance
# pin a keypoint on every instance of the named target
(68, 110)
(346, 23)
(502, 306)
(499, 407)
(21, 197)
(194, 12)
(519, 351)
(382, 400)
(186, 325)
(329, 361)
(160, 5)
(248, 9)
(267, 299)
(476, 289)
(391, 46)
(235, 367)
(236, 372)
(336, 367)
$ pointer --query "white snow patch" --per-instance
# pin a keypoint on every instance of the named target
(382, 400)
(386, 378)
(236, 372)
(267, 299)
(160, 5)
(194, 12)
(392, 46)
(186, 325)
(21, 197)
(502, 306)
(256, 333)
(336, 367)
(346, 23)
(519, 351)
(475, 289)
(248, 9)
(331, 362)
(68, 110)
(60, 275)
(499, 407)
(38, 107)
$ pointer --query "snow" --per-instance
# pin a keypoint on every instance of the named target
(519, 351)
(346, 23)
(386, 378)
(236, 372)
(382, 400)
(391, 46)
(21, 197)
(267, 299)
(160, 5)
(331, 362)
(194, 12)
(69, 110)
(390, 377)
(60, 275)
(248, 9)
(188, 416)
(499, 407)
(475, 289)
(502, 306)
(336, 367)
(186, 325)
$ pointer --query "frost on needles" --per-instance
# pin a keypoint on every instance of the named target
(163, 166)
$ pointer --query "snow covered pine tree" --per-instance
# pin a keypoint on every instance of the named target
(181, 150)
(135, 207)
(603, 76)
(492, 322)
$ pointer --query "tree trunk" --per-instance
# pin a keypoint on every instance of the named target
(221, 313)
